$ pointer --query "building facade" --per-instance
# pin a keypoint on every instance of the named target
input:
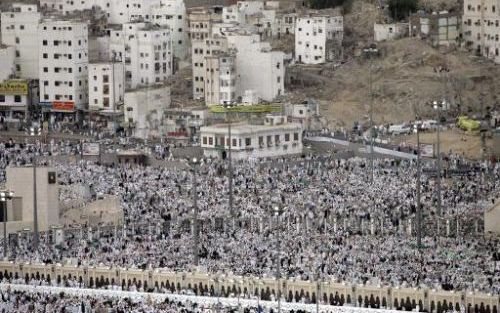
(480, 28)
(63, 64)
(7, 62)
(20, 30)
(16, 97)
(106, 85)
(172, 13)
(265, 77)
(438, 29)
(318, 38)
(144, 110)
(202, 44)
(220, 79)
(275, 138)
(146, 51)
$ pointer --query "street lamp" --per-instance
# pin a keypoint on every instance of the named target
(228, 108)
(277, 213)
(196, 232)
(439, 106)
(35, 132)
(370, 52)
(4, 196)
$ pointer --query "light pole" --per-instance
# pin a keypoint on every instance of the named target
(419, 207)
(196, 231)
(228, 108)
(370, 52)
(277, 213)
(439, 107)
(35, 131)
(4, 196)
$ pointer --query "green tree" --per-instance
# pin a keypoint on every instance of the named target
(401, 9)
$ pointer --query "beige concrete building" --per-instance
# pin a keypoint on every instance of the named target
(20, 209)
(480, 27)
(220, 79)
(201, 21)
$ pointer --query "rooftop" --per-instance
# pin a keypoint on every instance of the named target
(245, 128)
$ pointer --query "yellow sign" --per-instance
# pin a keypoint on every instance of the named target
(14, 87)
(254, 108)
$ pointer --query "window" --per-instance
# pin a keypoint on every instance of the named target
(287, 137)
(210, 141)
(45, 55)
(2, 98)
(22, 26)
(45, 69)
(106, 102)
(56, 42)
(105, 78)
(235, 142)
(18, 67)
(296, 136)
(44, 42)
(18, 54)
(204, 140)
(248, 142)
(17, 98)
(17, 40)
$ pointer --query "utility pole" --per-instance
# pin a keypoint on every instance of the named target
(419, 206)
(277, 213)
(229, 154)
(370, 52)
(196, 230)
(35, 131)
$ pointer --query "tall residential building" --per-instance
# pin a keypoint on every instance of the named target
(220, 79)
(63, 66)
(172, 13)
(106, 85)
(20, 30)
(146, 51)
(267, 75)
(480, 28)
(200, 32)
(318, 38)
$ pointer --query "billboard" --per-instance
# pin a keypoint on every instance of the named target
(427, 150)
(14, 87)
(90, 148)
(63, 106)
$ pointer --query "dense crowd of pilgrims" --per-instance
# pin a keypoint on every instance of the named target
(334, 222)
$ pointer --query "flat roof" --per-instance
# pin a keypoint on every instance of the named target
(244, 128)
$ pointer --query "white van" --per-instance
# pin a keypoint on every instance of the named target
(401, 129)
(429, 125)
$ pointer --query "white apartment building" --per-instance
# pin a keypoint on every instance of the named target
(239, 12)
(317, 38)
(202, 44)
(20, 30)
(259, 68)
(220, 79)
(146, 51)
(481, 28)
(275, 138)
(106, 85)
(172, 13)
(144, 110)
(117, 11)
(63, 64)
(7, 62)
